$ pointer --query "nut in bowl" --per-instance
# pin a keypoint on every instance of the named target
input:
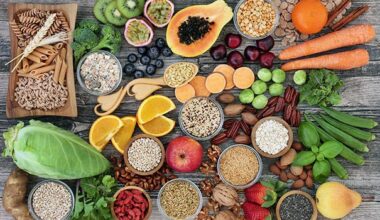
(272, 137)
(296, 204)
(256, 19)
(239, 166)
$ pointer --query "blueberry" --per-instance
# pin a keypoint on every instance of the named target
(167, 52)
(159, 63)
(160, 43)
(151, 69)
(142, 50)
(132, 58)
(144, 60)
(154, 52)
(138, 74)
(129, 69)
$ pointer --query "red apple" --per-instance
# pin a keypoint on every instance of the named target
(184, 154)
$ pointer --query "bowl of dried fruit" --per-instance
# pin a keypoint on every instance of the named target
(133, 202)
(272, 137)
(256, 19)
(144, 154)
(296, 204)
(179, 199)
(239, 166)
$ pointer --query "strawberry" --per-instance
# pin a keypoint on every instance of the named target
(264, 193)
(255, 212)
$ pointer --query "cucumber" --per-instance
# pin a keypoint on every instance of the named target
(338, 169)
(350, 119)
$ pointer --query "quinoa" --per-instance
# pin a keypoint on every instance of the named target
(144, 154)
(272, 137)
(200, 117)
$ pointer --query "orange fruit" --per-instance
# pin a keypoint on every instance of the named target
(153, 107)
(309, 16)
(103, 129)
(122, 137)
(158, 127)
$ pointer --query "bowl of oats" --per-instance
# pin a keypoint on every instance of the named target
(201, 118)
(99, 73)
(256, 19)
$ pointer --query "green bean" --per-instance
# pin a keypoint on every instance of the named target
(338, 169)
(350, 119)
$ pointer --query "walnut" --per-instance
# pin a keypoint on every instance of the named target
(225, 195)
(225, 215)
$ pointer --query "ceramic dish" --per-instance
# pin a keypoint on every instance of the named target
(295, 192)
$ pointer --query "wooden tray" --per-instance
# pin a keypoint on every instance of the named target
(70, 109)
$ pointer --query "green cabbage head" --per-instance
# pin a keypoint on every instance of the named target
(47, 151)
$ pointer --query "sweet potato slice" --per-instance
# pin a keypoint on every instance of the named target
(228, 72)
(184, 93)
(199, 84)
(243, 77)
(215, 82)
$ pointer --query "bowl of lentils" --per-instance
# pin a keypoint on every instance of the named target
(296, 204)
(144, 154)
(99, 73)
(179, 199)
(51, 200)
(201, 118)
(256, 19)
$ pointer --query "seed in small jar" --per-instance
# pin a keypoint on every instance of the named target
(144, 154)
(296, 207)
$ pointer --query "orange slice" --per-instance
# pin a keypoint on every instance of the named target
(103, 129)
(122, 137)
(153, 107)
(158, 127)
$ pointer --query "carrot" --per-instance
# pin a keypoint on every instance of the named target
(228, 72)
(215, 82)
(199, 84)
(184, 93)
(338, 61)
(243, 77)
(353, 35)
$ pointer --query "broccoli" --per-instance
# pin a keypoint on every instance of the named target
(91, 24)
(111, 39)
(79, 51)
(86, 37)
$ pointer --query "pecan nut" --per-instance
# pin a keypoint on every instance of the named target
(245, 127)
(233, 131)
(261, 112)
(295, 99)
(269, 112)
(288, 112)
(242, 139)
(220, 138)
(280, 104)
(272, 101)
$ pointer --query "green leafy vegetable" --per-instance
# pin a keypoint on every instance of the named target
(304, 158)
(93, 198)
(321, 171)
(331, 149)
(45, 150)
(321, 88)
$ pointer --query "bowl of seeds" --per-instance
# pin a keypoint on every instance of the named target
(239, 166)
(272, 137)
(179, 199)
(51, 200)
(296, 204)
(201, 118)
(256, 19)
(144, 154)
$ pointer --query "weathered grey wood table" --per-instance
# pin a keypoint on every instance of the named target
(361, 96)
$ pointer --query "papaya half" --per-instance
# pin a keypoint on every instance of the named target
(193, 30)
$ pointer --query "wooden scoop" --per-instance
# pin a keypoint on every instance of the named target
(109, 103)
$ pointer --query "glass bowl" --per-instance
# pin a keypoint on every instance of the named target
(276, 20)
(162, 211)
(30, 198)
(220, 127)
(259, 172)
(81, 82)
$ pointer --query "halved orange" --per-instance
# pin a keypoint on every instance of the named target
(158, 127)
(103, 129)
(153, 107)
(122, 137)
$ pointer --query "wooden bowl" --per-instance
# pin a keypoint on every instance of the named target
(283, 151)
(148, 212)
(143, 173)
(315, 212)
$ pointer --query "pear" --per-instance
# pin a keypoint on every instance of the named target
(335, 200)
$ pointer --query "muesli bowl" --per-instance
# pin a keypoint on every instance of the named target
(246, 161)
(199, 124)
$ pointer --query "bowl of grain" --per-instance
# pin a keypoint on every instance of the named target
(179, 199)
(256, 19)
(201, 118)
(144, 154)
(272, 137)
(239, 166)
(296, 204)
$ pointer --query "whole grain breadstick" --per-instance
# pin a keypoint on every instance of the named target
(62, 74)
(33, 58)
(42, 69)
(57, 68)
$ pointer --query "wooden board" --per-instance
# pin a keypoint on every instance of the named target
(14, 110)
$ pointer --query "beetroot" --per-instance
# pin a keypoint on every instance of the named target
(233, 40)
(252, 53)
(218, 52)
(265, 44)
(235, 59)
(266, 60)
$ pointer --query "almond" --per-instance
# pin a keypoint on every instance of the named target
(303, 175)
(296, 170)
(283, 176)
(308, 167)
(298, 184)
(249, 118)
(309, 182)
(288, 158)
(274, 169)
(291, 176)
(310, 173)
(280, 166)
(297, 146)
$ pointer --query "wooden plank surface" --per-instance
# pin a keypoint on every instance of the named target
(360, 97)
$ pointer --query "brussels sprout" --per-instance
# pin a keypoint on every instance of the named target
(276, 89)
(259, 87)
(246, 96)
(278, 76)
(265, 74)
(299, 77)
(260, 101)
